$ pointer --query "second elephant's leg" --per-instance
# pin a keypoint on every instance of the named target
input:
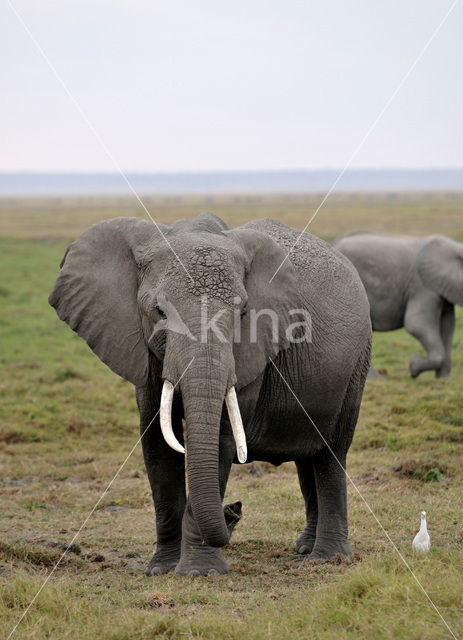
(423, 321)
(330, 480)
(447, 328)
(198, 558)
(305, 543)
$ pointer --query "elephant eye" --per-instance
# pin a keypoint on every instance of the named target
(160, 312)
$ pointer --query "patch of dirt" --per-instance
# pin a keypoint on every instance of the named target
(340, 559)
(111, 508)
(158, 599)
(95, 557)
(16, 482)
(35, 555)
(134, 566)
(424, 470)
(13, 437)
(375, 478)
(41, 551)
(50, 543)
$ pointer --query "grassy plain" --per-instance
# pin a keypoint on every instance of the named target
(67, 424)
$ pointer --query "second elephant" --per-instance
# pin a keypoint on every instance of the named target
(412, 283)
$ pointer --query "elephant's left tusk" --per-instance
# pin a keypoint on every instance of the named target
(167, 398)
(237, 425)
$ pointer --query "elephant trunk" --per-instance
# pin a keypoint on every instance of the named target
(203, 390)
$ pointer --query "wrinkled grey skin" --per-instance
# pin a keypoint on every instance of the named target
(412, 283)
(110, 284)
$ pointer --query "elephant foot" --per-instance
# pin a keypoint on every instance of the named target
(416, 365)
(305, 543)
(325, 549)
(198, 559)
(164, 560)
(442, 373)
(201, 561)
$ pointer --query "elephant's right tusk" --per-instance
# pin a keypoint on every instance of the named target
(167, 398)
(237, 425)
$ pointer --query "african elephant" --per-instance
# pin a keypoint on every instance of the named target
(411, 282)
(137, 293)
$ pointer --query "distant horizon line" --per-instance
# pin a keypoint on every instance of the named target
(227, 171)
(23, 183)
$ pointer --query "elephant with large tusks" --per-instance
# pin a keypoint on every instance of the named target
(412, 283)
(263, 354)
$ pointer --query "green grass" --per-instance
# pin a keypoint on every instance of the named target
(67, 423)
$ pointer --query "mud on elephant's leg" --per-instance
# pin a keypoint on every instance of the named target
(330, 480)
(305, 543)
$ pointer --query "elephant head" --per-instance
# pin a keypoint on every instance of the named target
(440, 267)
(137, 294)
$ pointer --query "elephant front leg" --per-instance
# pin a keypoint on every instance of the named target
(305, 543)
(166, 474)
(197, 558)
(169, 504)
(330, 480)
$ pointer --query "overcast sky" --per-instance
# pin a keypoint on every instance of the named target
(174, 85)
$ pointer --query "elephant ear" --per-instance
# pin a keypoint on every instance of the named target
(269, 301)
(440, 266)
(96, 293)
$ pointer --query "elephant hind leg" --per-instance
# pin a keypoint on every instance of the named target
(447, 327)
(305, 543)
(329, 470)
(423, 322)
(332, 529)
